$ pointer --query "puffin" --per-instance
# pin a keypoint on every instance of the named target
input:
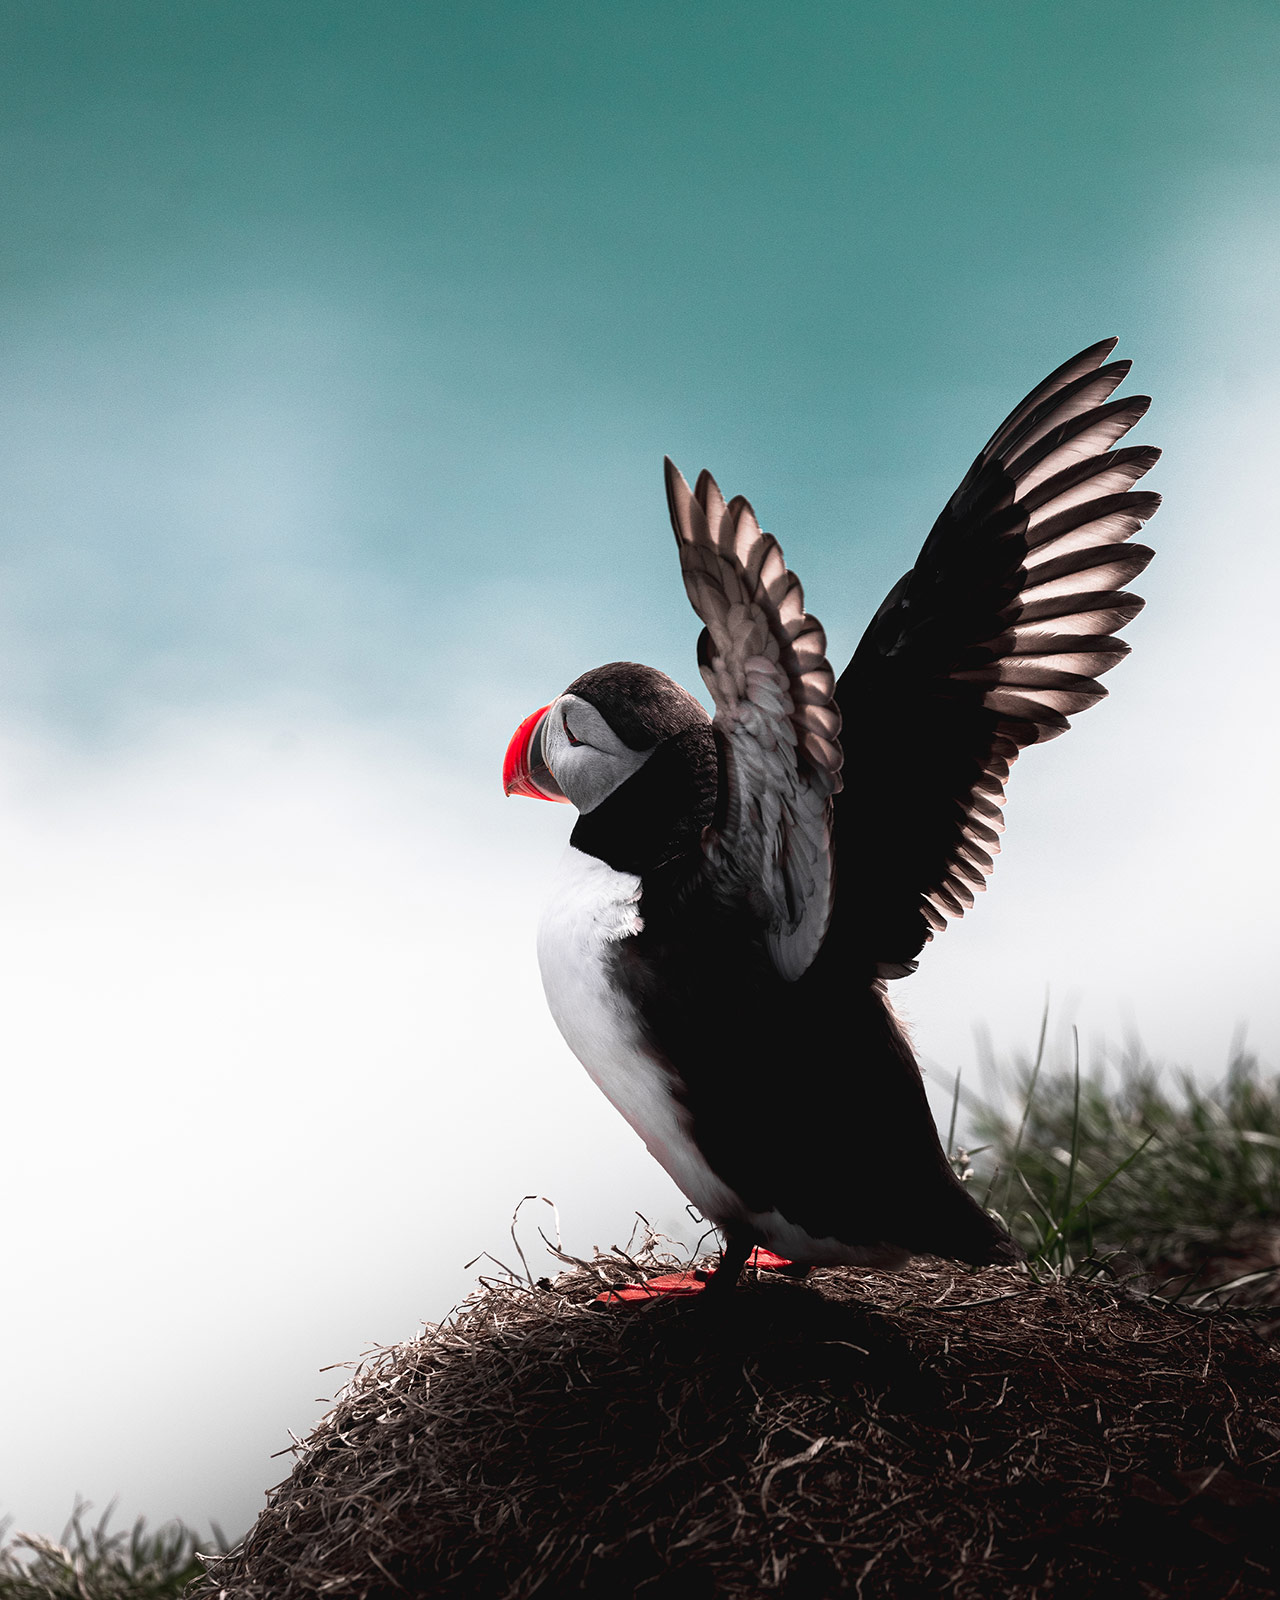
(739, 889)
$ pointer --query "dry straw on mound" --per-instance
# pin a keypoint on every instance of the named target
(933, 1431)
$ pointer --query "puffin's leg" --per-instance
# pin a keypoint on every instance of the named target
(737, 1247)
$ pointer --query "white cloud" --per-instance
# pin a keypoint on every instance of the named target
(276, 1065)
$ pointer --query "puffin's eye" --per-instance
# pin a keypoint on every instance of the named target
(564, 723)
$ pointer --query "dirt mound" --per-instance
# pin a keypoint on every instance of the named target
(932, 1431)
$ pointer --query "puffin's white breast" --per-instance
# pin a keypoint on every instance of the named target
(592, 908)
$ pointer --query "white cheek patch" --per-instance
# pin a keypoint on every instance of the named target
(590, 770)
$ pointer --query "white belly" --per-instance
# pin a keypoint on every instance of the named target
(592, 907)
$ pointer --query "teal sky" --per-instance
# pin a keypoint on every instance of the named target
(341, 338)
(340, 345)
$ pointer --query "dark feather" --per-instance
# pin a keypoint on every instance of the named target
(989, 644)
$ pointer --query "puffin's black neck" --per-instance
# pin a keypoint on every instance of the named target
(659, 813)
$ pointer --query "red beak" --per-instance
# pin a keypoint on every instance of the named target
(524, 770)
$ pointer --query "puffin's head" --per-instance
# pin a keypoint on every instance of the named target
(604, 727)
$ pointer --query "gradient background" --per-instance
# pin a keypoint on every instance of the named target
(341, 346)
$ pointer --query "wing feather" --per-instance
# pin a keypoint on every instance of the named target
(764, 660)
(990, 643)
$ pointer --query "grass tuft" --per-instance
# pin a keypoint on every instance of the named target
(1139, 1158)
(91, 1562)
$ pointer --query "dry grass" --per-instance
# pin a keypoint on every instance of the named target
(929, 1432)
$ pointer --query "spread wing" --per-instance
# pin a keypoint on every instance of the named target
(996, 636)
(765, 663)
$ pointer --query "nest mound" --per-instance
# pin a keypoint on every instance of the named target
(926, 1432)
